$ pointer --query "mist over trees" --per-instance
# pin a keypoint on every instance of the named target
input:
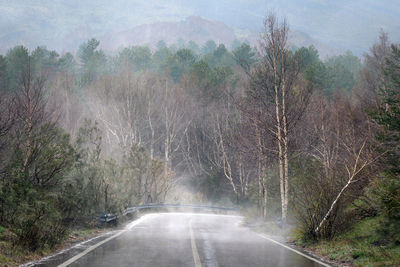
(273, 130)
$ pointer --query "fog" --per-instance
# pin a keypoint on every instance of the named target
(63, 26)
(287, 112)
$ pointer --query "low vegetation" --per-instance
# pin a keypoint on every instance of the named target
(361, 245)
(12, 254)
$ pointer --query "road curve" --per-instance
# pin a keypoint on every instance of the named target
(187, 239)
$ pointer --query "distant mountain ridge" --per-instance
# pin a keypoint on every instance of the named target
(199, 30)
(193, 28)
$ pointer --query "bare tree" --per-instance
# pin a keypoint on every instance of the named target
(278, 89)
(30, 103)
(175, 122)
(337, 158)
(372, 77)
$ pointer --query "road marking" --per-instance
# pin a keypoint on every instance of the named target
(292, 249)
(86, 251)
(83, 253)
(196, 256)
(136, 222)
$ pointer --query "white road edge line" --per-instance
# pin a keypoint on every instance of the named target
(83, 253)
(86, 251)
(292, 249)
(196, 256)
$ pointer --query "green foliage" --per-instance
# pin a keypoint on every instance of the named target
(244, 56)
(192, 46)
(208, 47)
(3, 73)
(93, 61)
(44, 60)
(185, 58)
(137, 57)
(319, 75)
(347, 61)
(221, 75)
(40, 62)
(180, 63)
(67, 62)
(160, 58)
(220, 51)
(337, 73)
(307, 57)
(343, 71)
(95, 184)
(88, 50)
(388, 116)
(84, 182)
(17, 60)
(360, 245)
(30, 195)
(388, 191)
(54, 156)
(220, 57)
(39, 223)
(207, 82)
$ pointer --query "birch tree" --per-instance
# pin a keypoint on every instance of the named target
(279, 90)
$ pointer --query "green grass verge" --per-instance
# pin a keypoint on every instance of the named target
(13, 255)
(360, 246)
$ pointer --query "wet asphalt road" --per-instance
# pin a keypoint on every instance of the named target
(184, 239)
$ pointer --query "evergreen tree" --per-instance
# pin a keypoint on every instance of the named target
(388, 116)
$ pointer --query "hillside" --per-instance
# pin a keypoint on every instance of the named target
(199, 30)
(192, 28)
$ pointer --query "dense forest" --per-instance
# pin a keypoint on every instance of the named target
(273, 129)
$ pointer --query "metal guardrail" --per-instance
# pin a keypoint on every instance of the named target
(112, 218)
(169, 205)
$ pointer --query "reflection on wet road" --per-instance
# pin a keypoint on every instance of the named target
(185, 239)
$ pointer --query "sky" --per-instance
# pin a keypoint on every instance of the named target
(345, 24)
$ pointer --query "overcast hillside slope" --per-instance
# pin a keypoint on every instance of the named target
(199, 30)
(193, 28)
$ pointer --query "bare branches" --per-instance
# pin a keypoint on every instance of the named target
(352, 172)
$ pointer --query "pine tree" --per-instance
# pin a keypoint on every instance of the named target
(388, 116)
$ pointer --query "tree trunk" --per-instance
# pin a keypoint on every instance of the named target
(351, 175)
(279, 137)
(265, 193)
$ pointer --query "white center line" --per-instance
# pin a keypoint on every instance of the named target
(196, 256)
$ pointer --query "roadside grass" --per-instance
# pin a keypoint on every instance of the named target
(359, 246)
(13, 255)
